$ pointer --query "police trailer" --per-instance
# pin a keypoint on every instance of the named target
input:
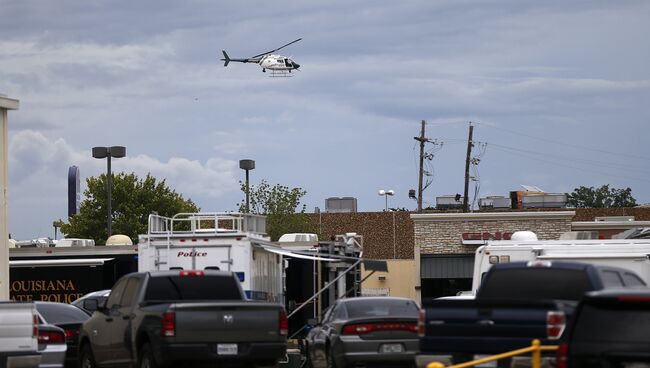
(227, 241)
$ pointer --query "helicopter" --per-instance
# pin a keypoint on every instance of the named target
(278, 65)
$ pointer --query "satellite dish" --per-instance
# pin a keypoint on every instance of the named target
(524, 236)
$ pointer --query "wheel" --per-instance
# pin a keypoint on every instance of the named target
(330, 358)
(146, 359)
(86, 358)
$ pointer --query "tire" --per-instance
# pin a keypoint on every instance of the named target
(146, 358)
(330, 358)
(86, 358)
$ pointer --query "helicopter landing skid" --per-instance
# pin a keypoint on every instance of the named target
(280, 74)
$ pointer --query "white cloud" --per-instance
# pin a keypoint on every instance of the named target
(38, 166)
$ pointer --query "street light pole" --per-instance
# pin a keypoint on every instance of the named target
(108, 152)
(386, 193)
(247, 165)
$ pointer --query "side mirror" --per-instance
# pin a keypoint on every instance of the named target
(91, 305)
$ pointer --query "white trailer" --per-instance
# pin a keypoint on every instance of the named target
(632, 254)
(226, 241)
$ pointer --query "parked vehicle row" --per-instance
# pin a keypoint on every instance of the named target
(516, 303)
(61, 345)
(19, 335)
(170, 318)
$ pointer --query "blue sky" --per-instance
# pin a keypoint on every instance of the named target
(558, 92)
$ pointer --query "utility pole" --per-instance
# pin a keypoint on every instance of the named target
(470, 144)
(421, 173)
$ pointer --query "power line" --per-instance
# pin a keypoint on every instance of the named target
(519, 152)
(571, 145)
(612, 165)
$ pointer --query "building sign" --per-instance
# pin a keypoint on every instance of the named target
(375, 292)
(53, 284)
(482, 238)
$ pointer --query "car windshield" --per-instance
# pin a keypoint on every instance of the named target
(55, 313)
(536, 283)
(381, 308)
(192, 288)
(623, 322)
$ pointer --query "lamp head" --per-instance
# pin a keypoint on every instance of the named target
(381, 192)
(117, 151)
(100, 152)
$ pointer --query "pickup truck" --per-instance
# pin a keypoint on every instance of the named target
(171, 318)
(516, 303)
(609, 329)
(18, 335)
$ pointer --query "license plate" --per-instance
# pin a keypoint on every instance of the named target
(227, 349)
(391, 348)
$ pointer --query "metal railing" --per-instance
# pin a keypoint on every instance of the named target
(206, 223)
(535, 349)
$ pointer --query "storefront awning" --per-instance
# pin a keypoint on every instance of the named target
(446, 266)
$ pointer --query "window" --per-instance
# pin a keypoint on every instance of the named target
(381, 308)
(611, 279)
(54, 313)
(193, 288)
(116, 294)
(632, 280)
(340, 312)
(535, 283)
(130, 291)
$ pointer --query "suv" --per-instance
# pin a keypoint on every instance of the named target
(609, 329)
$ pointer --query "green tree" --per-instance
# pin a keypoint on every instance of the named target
(133, 200)
(281, 206)
(602, 197)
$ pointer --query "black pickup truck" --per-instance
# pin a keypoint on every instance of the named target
(609, 329)
(172, 318)
(516, 303)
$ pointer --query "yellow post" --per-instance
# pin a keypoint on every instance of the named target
(537, 354)
(435, 365)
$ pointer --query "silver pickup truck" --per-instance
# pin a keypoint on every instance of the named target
(18, 335)
(171, 318)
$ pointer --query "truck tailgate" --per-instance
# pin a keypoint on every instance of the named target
(490, 326)
(16, 327)
(228, 322)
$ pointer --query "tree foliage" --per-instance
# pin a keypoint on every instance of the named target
(133, 200)
(281, 206)
(602, 197)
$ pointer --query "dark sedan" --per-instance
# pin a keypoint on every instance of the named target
(365, 331)
(70, 319)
